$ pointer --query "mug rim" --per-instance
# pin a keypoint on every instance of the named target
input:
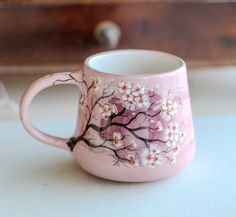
(87, 66)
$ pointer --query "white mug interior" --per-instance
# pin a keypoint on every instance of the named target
(132, 62)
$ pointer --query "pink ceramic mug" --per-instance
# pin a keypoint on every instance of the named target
(135, 120)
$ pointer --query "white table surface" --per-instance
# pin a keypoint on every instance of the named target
(41, 181)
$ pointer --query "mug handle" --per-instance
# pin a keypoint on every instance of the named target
(73, 78)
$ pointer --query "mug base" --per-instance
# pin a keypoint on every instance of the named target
(104, 169)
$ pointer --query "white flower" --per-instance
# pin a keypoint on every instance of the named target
(158, 126)
(117, 140)
(171, 143)
(142, 101)
(132, 160)
(139, 101)
(132, 144)
(130, 105)
(147, 158)
(152, 121)
(168, 109)
(153, 149)
(172, 108)
(107, 110)
(124, 87)
(114, 109)
(168, 134)
(173, 126)
(138, 89)
(165, 115)
(95, 84)
(146, 101)
(127, 97)
(152, 156)
(165, 104)
(133, 95)
(172, 134)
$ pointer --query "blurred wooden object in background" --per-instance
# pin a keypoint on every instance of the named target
(46, 36)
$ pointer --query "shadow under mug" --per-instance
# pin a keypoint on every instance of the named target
(134, 117)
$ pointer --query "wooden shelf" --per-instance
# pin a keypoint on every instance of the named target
(84, 2)
(42, 38)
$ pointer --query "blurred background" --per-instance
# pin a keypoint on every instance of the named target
(38, 37)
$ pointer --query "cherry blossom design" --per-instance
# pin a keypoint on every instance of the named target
(127, 97)
(133, 144)
(107, 110)
(152, 156)
(172, 154)
(172, 134)
(142, 101)
(125, 87)
(128, 121)
(95, 84)
(138, 89)
(130, 105)
(117, 140)
(168, 109)
(133, 95)
(132, 160)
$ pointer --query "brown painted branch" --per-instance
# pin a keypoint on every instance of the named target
(145, 140)
(153, 94)
(100, 98)
(103, 143)
(97, 128)
(102, 128)
(105, 147)
(131, 130)
(118, 114)
(60, 80)
(96, 102)
(142, 112)
(70, 79)
(110, 122)
(89, 88)
(85, 83)
(144, 128)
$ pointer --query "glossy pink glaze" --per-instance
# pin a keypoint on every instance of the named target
(116, 160)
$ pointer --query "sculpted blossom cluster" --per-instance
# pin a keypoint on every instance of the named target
(117, 141)
(138, 126)
(168, 109)
(107, 110)
(133, 95)
(152, 156)
(173, 134)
